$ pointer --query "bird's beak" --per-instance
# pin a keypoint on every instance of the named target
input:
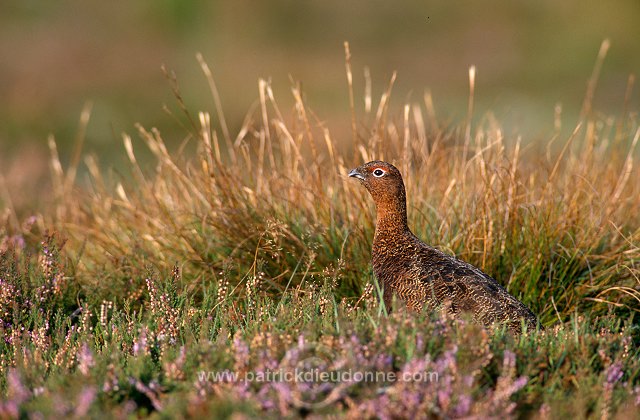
(356, 174)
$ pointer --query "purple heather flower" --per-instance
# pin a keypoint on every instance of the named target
(447, 361)
(241, 352)
(468, 381)
(383, 362)
(282, 401)
(463, 407)
(9, 409)
(15, 389)
(85, 399)
(414, 367)
(266, 361)
(444, 398)
(242, 389)
(519, 383)
(381, 407)
(614, 373)
(509, 358)
(18, 241)
(411, 399)
(266, 400)
(140, 345)
(419, 343)
(283, 389)
(85, 359)
(445, 392)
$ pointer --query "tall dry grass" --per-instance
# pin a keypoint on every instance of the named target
(556, 222)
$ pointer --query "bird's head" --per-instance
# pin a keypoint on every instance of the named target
(382, 180)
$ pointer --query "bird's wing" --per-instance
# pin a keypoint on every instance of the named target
(467, 289)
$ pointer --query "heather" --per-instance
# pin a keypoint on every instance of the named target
(232, 276)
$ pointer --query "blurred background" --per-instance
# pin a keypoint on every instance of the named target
(530, 56)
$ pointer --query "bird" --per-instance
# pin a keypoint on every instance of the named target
(423, 277)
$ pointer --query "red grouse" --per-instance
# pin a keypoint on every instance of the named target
(422, 276)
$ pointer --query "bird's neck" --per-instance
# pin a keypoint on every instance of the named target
(391, 216)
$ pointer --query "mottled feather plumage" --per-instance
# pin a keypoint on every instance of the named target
(422, 276)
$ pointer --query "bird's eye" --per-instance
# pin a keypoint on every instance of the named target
(378, 173)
